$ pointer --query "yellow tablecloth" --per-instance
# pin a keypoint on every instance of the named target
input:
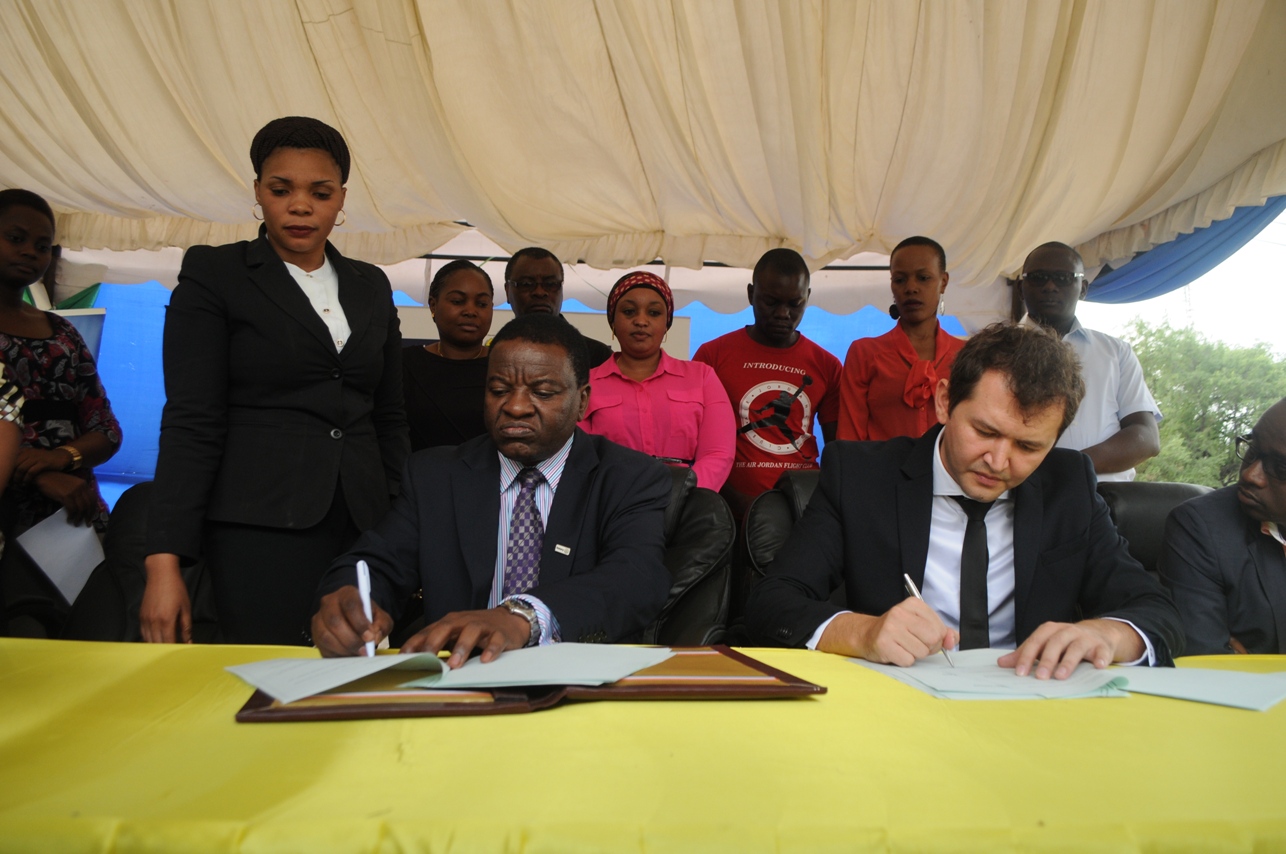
(123, 748)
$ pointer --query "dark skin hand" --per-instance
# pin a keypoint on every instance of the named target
(494, 631)
(71, 492)
(340, 628)
(94, 448)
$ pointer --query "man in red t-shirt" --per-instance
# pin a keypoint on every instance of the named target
(777, 381)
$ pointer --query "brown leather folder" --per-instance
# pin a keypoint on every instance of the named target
(697, 673)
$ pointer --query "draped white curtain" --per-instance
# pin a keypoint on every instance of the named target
(619, 131)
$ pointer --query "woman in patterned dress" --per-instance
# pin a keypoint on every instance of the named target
(67, 422)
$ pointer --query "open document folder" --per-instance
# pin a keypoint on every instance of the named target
(977, 677)
(291, 679)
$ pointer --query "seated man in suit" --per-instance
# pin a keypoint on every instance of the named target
(1004, 534)
(533, 533)
(1224, 554)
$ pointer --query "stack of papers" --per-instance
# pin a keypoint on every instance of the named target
(291, 679)
(976, 676)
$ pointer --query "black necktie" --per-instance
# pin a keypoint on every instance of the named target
(974, 631)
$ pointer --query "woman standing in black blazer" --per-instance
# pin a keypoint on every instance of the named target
(283, 435)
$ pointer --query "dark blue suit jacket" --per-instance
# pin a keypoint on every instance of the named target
(1228, 578)
(868, 523)
(440, 536)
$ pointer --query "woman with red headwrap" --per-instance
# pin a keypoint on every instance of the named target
(643, 398)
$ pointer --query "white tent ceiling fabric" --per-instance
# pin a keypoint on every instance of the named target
(621, 131)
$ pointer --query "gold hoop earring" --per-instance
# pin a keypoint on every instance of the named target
(258, 218)
(344, 215)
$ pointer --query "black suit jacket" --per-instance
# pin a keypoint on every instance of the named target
(608, 513)
(1227, 577)
(868, 523)
(262, 417)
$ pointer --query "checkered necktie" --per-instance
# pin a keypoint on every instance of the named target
(526, 536)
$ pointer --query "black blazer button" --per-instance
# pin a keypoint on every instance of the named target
(783, 633)
(337, 433)
(334, 374)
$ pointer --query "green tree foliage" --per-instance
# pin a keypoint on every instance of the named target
(1210, 393)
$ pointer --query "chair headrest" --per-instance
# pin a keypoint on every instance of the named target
(798, 488)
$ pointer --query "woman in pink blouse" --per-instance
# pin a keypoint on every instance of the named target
(674, 410)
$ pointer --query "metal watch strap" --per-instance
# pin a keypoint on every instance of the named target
(522, 609)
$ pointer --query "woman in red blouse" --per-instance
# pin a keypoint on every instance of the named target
(886, 389)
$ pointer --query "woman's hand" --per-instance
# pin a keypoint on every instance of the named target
(166, 613)
(33, 461)
(72, 492)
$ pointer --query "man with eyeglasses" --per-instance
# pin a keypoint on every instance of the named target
(1224, 553)
(534, 285)
(1116, 426)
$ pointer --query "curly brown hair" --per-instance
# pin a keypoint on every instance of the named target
(1041, 370)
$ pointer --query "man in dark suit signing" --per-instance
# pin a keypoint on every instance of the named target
(533, 533)
(1004, 534)
(1224, 553)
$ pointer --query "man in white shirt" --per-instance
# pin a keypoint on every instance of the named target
(1006, 535)
(1116, 426)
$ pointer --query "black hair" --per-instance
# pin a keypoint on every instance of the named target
(534, 252)
(783, 262)
(299, 132)
(1040, 369)
(920, 240)
(548, 329)
(448, 270)
(26, 199)
(1054, 244)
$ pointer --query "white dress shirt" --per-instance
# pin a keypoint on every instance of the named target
(552, 471)
(1114, 388)
(321, 286)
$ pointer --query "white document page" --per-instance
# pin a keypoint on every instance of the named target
(66, 553)
(291, 679)
(1255, 691)
(977, 677)
(554, 664)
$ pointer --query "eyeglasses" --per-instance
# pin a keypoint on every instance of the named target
(531, 284)
(1249, 453)
(1062, 278)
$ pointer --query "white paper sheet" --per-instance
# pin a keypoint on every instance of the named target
(66, 553)
(1256, 691)
(291, 679)
(976, 677)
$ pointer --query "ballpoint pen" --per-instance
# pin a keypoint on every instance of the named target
(364, 591)
(915, 591)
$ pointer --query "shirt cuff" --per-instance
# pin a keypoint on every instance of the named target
(549, 632)
(821, 630)
(1149, 656)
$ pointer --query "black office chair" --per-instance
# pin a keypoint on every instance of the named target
(1139, 510)
(699, 534)
(107, 607)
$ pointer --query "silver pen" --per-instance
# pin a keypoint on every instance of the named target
(915, 591)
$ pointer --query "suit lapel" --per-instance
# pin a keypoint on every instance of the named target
(915, 506)
(567, 513)
(357, 297)
(476, 481)
(1029, 500)
(269, 273)
(1270, 565)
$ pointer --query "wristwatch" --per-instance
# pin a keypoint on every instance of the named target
(522, 609)
(76, 458)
